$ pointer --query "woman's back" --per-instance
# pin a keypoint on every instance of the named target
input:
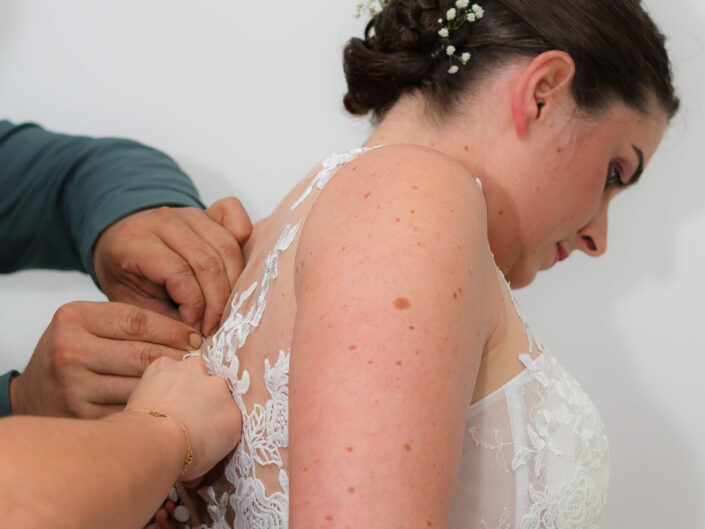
(533, 450)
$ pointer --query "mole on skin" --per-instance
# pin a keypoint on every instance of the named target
(367, 194)
(351, 490)
(407, 446)
(401, 303)
(352, 348)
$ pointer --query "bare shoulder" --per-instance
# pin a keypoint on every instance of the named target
(402, 197)
(413, 171)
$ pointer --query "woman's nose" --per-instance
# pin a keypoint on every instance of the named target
(593, 237)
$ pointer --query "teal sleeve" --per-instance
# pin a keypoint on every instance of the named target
(58, 193)
(5, 408)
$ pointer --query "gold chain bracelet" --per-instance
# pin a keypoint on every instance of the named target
(189, 452)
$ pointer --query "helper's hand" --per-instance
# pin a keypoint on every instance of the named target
(182, 262)
(90, 358)
(203, 403)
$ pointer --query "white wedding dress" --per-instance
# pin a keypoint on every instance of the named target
(535, 453)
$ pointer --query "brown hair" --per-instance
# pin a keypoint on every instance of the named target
(619, 52)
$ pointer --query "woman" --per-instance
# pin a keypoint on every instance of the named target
(384, 376)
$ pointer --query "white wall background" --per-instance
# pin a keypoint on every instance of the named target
(247, 97)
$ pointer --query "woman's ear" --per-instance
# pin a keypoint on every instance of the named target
(539, 88)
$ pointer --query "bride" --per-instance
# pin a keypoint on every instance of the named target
(384, 375)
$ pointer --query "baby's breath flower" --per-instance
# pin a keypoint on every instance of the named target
(443, 32)
(440, 21)
(471, 17)
(461, 4)
(371, 7)
(450, 14)
(450, 50)
(479, 12)
(465, 57)
(453, 69)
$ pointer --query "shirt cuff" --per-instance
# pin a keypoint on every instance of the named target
(5, 408)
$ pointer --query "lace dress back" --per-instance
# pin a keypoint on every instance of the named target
(534, 454)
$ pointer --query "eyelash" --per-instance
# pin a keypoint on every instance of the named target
(614, 177)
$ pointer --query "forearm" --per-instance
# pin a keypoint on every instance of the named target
(111, 473)
(59, 192)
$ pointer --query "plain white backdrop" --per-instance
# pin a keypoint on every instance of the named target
(247, 97)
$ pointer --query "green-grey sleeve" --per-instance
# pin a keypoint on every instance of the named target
(59, 192)
(5, 408)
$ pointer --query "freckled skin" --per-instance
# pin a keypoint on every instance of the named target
(350, 449)
(407, 446)
(411, 327)
(455, 295)
(401, 304)
(352, 348)
(367, 194)
(398, 362)
(329, 517)
(351, 490)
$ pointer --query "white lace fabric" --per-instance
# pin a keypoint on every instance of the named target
(534, 456)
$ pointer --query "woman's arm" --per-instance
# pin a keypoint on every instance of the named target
(395, 303)
(115, 472)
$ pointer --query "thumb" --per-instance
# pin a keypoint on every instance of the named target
(230, 213)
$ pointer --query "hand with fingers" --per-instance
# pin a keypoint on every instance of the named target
(91, 357)
(182, 262)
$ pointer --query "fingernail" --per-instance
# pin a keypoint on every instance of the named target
(194, 340)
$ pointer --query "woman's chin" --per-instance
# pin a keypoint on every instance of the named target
(521, 277)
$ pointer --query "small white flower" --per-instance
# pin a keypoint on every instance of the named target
(450, 50)
(461, 4)
(453, 69)
(471, 17)
(440, 21)
(450, 14)
(465, 57)
(443, 32)
(479, 12)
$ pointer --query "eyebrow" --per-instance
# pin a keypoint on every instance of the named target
(640, 168)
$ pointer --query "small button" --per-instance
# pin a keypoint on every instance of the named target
(182, 514)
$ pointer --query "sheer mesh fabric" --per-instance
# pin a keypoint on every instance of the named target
(534, 454)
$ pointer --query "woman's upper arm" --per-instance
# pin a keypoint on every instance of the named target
(392, 282)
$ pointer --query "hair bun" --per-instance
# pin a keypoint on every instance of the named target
(376, 79)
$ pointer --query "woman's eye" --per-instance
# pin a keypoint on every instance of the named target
(614, 177)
